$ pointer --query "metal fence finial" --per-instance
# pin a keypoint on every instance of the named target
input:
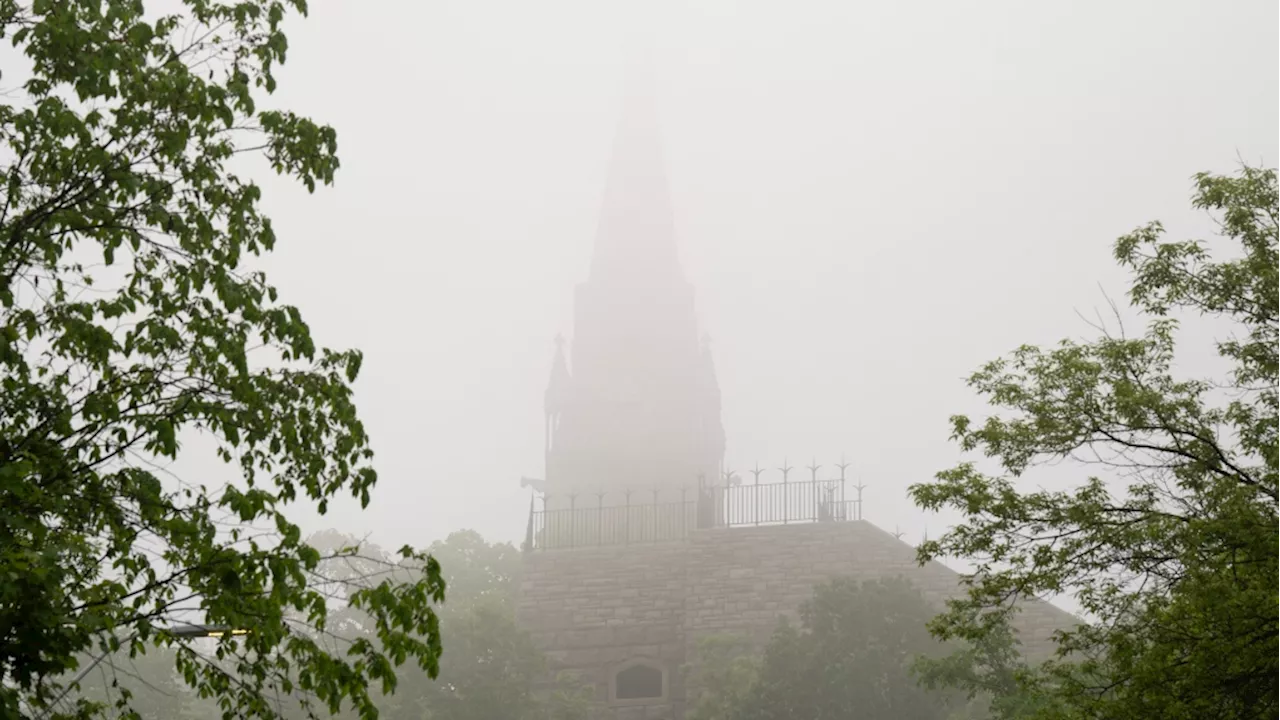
(730, 476)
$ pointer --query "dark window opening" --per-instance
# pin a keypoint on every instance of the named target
(638, 682)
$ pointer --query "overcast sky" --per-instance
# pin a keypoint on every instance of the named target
(872, 198)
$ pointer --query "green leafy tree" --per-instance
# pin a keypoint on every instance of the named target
(996, 678)
(128, 322)
(1172, 550)
(151, 681)
(491, 668)
(477, 570)
(724, 673)
(851, 656)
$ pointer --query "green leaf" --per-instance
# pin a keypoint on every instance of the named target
(1168, 540)
(117, 147)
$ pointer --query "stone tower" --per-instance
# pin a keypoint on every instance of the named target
(635, 405)
(625, 570)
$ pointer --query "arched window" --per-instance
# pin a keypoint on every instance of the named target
(638, 682)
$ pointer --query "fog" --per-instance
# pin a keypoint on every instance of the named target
(870, 199)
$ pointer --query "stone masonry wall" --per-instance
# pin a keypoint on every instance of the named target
(741, 580)
(594, 610)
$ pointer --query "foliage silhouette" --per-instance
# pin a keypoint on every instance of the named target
(1172, 555)
(128, 325)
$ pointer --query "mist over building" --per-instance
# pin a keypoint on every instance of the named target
(634, 404)
(641, 544)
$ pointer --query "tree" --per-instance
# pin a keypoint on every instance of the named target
(725, 671)
(127, 324)
(996, 678)
(851, 656)
(151, 680)
(1172, 555)
(491, 667)
(477, 570)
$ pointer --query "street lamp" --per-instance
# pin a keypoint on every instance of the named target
(183, 631)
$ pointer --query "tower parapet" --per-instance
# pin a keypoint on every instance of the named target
(636, 515)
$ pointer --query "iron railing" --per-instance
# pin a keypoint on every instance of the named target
(613, 525)
(597, 520)
(780, 503)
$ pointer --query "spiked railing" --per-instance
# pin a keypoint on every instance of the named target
(646, 516)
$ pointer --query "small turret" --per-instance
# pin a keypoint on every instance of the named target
(709, 395)
(558, 386)
(557, 395)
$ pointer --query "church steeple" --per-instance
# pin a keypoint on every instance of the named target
(640, 410)
(635, 240)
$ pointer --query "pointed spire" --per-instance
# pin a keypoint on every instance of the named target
(713, 426)
(558, 386)
(708, 365)
(635, 240)
(643, 405)
(528, 533)
(710, 385)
